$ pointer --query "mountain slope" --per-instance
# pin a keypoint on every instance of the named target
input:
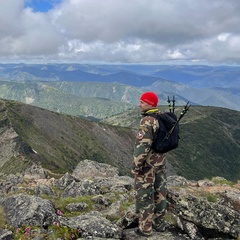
(78, 99)
(209, 144)
(58, 141)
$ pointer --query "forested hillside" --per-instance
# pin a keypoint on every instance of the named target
(209, 141)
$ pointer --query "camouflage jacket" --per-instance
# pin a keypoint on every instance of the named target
(143, 155)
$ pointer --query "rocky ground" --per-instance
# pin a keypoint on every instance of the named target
(94, 202)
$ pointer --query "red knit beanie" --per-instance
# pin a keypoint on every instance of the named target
(150, 97)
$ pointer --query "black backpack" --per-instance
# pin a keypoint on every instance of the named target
(167, 136)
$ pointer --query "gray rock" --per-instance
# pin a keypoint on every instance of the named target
(102, 200)
(176, 181)
(64, 181)
(35, 172)
(205, 183)
(45, 190)
(93, 224)
(92, 169)
(231, 198)
(82, 188)
(6, 234)
(204, 214)
(128, 234)
(28, 210)
(75, 207)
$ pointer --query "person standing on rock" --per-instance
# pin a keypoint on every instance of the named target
(149, 170)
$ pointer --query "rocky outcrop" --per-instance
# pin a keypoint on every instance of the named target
(9, 137)
(89, 168)
(12, 146)
(203, 216)
(28, 210)
(100, 205)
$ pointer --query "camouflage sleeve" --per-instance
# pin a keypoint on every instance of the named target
(143, 142)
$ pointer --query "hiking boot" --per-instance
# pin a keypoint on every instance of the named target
(160, 225)
(142, 234)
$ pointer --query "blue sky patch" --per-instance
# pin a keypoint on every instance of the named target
(41, 5)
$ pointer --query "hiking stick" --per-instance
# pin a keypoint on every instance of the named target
(169, 104)
(185, 109)
(173, 106)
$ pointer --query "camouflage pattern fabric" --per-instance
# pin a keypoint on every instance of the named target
(150, 177)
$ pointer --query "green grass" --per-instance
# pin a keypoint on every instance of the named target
(222, 181)
(61, 203)
(209, 196)
(2, 218)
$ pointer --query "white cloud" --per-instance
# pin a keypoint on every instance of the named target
(176, 54)
(122, 31)
(223, 37)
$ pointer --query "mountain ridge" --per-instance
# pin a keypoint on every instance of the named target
(58, 141)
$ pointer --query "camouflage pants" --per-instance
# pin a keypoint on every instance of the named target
(150, 187)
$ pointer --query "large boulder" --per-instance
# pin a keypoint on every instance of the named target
(88, 169)
(28, 210)
(93, 224)
(207, 216)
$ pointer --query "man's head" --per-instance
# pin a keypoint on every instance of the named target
(148, 100)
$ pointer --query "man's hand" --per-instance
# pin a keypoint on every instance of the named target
(134, 172)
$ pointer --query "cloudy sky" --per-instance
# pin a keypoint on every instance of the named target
(120, 31)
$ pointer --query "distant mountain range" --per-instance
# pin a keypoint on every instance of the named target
(120, 85)
(135, 75)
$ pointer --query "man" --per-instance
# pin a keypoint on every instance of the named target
(149, 169)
